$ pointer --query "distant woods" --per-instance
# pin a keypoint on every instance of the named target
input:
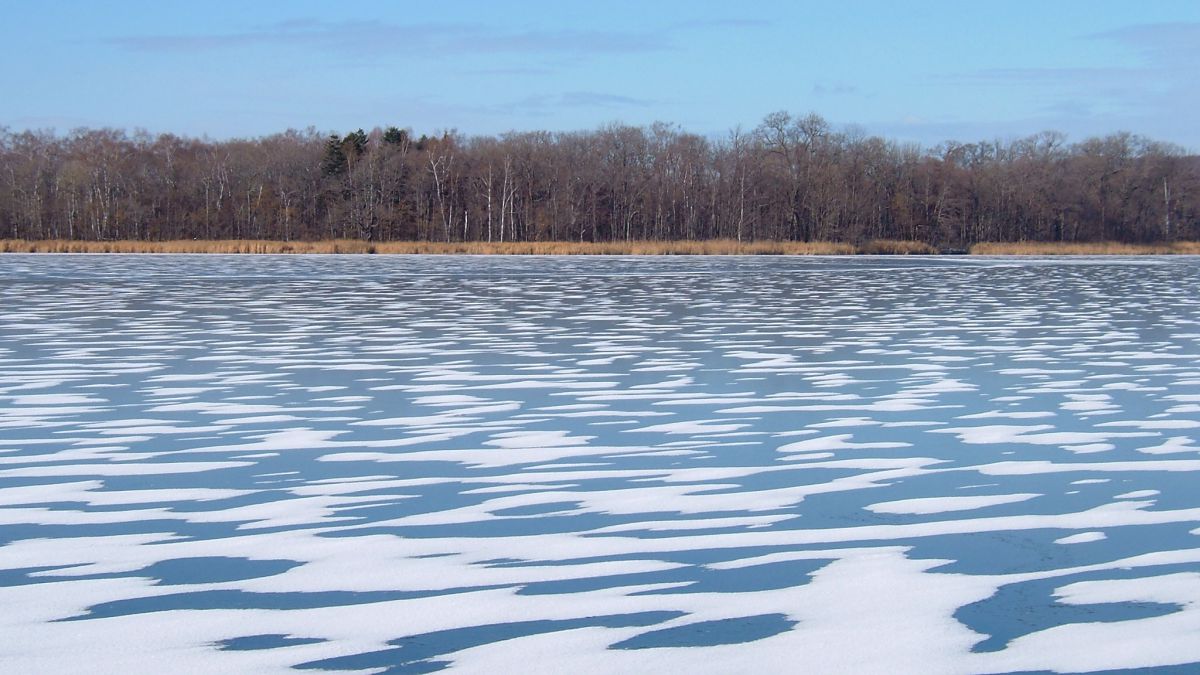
(788, 179)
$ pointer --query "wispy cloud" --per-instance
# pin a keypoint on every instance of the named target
(505, 72)
(432, 39)
(834, 89)
(1079, 76)
(1159, 80)
(1086, 91)
(594, 99)
(544, 104)
(724, 24)
(1175, 43)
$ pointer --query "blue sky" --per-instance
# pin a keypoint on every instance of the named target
(914, 71)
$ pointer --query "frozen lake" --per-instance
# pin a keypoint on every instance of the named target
(928, 465)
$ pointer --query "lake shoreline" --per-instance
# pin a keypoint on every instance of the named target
(650, 248)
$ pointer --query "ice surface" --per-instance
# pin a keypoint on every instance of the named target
(926, 505)
(927, 465)
(1081, 538)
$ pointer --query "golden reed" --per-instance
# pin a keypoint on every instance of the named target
(708, 247)
(712, 247)
(1093, 248)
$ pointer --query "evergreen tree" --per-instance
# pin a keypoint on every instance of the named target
(334, 162)
(395, 136)
(355, 144)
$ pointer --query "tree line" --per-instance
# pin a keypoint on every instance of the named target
(790, 178)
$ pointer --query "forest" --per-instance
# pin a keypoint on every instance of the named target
(791, 178)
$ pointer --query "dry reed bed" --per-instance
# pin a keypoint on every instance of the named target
(1093, 248)
(896, 247)
(709, 247)
(182, 246)
(712, 247)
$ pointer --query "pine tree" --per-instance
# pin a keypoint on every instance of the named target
(334, 162)
(395, 136)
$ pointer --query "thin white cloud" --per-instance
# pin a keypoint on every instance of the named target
(434, 40)
(431, 39)
(545, 103)
(1174, 43)
(1155, 88)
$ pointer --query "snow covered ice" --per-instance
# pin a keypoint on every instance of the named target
(541, 464)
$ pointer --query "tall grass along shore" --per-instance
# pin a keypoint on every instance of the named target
(1090, 248)
(703, 247)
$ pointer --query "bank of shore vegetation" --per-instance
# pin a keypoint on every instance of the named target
(790, 185)
(643, 247)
